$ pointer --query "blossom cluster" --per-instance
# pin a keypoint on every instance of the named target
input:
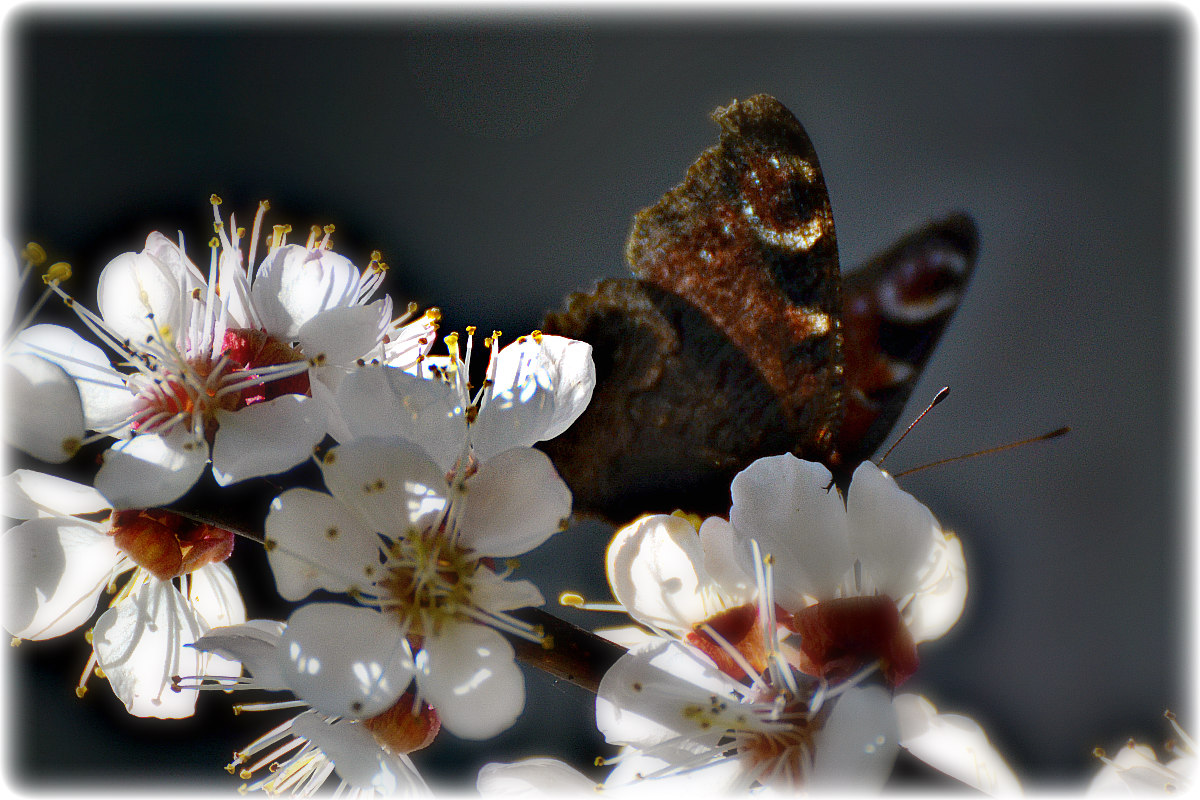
(764, 649)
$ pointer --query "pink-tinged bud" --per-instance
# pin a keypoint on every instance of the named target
(168, 545)
(838, 637)
(401, 730)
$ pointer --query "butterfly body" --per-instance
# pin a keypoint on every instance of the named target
(730, 345)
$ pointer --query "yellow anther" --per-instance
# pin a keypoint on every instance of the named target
(376, 255)
(218, 226)
(537, 336)
(237, 710)
(265, 205)
(1098, 752)
(470, 330)
(512, 563)
(241, 232)
(694, 519)
(286, 228)
(434, 314)
(57, 273)
(15, 641)
(80, 691)
(215, 199)
(214, 243)
(496, 335)
(769, 559)
(547, 642)
(412, 307)
(245, 774)
(71, 445)
(99, 672)
(329, 229)
(34, 254)
(572, 599)
(231, 768)
(88, 636)
(1169, 715)
(599, 762)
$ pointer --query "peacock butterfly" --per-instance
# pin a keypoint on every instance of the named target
(739, 339)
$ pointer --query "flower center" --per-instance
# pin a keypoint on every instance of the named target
(403, 730)
(783, 751)
(838, 637)
(198, 388)
(427, 581)
(168, 545)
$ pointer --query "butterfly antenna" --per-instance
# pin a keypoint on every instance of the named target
(937, 398)
(1054, 434)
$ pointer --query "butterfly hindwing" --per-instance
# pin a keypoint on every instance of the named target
(737, 340)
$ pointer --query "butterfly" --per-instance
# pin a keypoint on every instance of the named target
(738, 338)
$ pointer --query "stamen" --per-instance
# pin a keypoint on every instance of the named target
(576, 600)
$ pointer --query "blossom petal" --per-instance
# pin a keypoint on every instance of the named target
(345, 661)
(48, 423)
(954, 744)
(655, 570)
(789, 507)
(106, 399)
(142, 296)
(857, 746)
(723, 561)
(295, 284)
(642, 700)
(358, 758)
(469, 675)
(718, 778)
(492, 593)
(889, 531)
(317, 543)
(385, 401)
(340, 335)
(151, 469)
(216, 602)
(57, 568)
(391, 483)
(513, 503)
(532, 777)
(141, 643)
(540, 386)
(266, 438)
(253, 644)
(29, 494)
(939, 600)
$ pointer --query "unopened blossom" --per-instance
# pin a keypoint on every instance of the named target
(533, 390)
(45, 411)
(1136, 770)
(417, 551)
(727, 686)
(297, 757)
(72, 547)
(230, 366)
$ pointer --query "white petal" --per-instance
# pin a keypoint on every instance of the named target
(942, 594)
(340, 335)
(385, 401)
(141, 643)
(954, 744)
(266, 438)
(857, 746)
(175, 260)
(318, 543)
(644, 699)
(391, 483)
(252, 644)
(9, 285)
(791, 509)
(573, 376)
(358, 758)
(57, 568)
(151, 469)
(519, 407)
(293, 285)
(28, 494)
(345, 661)
(532, 777)
(628, 636)
(723, 562)
(492, 593)
(655, 569)
(469, 675)
(106, 399)
(889, 531)
(45, 416)
(718, 778)
(216, 602)
(513, 503)
(140, 296)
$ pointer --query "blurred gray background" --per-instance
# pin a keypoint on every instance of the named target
(497, 162)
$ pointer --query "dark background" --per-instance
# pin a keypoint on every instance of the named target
(497, 162)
